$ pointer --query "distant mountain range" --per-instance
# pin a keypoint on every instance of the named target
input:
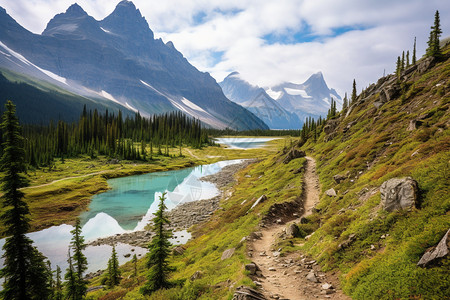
(256, 100)
(284, 106)
(118, 60)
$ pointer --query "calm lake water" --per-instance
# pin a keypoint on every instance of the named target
(244, 143)
(127, 207)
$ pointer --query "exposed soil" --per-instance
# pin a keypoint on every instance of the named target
(285, 277)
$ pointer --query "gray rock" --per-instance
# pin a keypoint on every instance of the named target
(330, 126)
(339, 178)
(425, 64)
(292, 231)
(331, 192)
(399, 194)
(327, 286)
(312, 277)
(252, 268)
(347, 242)
(227, 253)
(293, 154)
(442, 249)
(246, 293)
(196, 275)
(178, 250)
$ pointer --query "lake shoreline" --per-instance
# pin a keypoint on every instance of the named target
(186, 214)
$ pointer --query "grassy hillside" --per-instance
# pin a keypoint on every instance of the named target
(370, 146)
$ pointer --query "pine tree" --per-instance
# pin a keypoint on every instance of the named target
(58, 293)
(398, 67)
(113, 275)
(159, 251)
(434, 48)
(414, 53)
(134, 266)
(402, 64)
(79, 261)
(71, 280)
(353, 99)
(345, 103)
(407, 58)
(25, 273)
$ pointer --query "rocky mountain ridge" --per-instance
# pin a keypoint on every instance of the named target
(118, 59)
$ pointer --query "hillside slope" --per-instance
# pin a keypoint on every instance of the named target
(396, 128)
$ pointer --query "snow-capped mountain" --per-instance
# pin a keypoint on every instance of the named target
(119, 60)
(311, 98)
(256, 100)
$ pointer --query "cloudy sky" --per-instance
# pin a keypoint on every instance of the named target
(272, 41)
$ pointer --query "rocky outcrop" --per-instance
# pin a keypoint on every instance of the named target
(293, 154)
(227, 253)
(246, 293)
(399, 194)
(435, 253)
(330, 126)
(292, 231)
(425, 64)
(253, 269)
(339, 178)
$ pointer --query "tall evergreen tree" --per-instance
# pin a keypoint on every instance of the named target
(402, 65)
(71, 280)
(58, 293)
(413, 61)
(407, 58)
(113, 275)
(353, 99)
(25, 273)
(398, 67)
(159, 251)
(345, 103)
(434, 48)
(79, 261)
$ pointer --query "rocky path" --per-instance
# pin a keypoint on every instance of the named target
(295, 276)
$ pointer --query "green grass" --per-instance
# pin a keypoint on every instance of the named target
(378, 147)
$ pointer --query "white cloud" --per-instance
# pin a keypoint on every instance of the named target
(238, 27)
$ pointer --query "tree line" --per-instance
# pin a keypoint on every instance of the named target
(130, 138)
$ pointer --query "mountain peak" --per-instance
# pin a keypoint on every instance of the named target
(75, 10)
(128, 21)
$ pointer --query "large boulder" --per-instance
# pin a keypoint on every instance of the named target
(293, 154)
(292, 231)
(435, 253)
(227, 253)
(399, 194)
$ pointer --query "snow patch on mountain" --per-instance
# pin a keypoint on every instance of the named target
(107, 31)
(131, 107)
(27, 62)
(273, 94)
(192, 105)
(108, 96)
(297, 92)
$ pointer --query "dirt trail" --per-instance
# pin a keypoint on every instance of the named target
(62, 179)
(285, 277)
